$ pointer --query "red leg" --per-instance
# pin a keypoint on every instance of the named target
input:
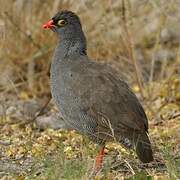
(99, 159)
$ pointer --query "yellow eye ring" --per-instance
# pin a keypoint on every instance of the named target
(61, 22)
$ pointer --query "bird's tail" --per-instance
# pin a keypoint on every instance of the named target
(143, 148)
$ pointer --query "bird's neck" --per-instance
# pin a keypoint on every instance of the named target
(69, 47)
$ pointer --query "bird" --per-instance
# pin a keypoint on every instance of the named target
(92, 98)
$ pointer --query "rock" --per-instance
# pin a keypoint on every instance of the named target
(30, 109)
(11, 110)
(53, 121)
(21, 110)
(166, 35)
(164, 54)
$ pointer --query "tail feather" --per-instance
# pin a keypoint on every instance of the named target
(143, 148)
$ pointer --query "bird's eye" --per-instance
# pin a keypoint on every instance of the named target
(61, 22)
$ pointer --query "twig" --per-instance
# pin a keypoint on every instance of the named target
(161, 24)
(29, 37)
(55, 6)
(131, 169)
(42, 109)
(38, 114)
(131, 49)
(174, 116)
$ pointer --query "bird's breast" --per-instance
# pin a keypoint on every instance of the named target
(62, 91)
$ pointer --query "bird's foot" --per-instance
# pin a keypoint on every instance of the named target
(98, 161)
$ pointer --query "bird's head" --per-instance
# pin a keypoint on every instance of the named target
(65, 23)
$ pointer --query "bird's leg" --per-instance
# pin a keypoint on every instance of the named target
(99, 158)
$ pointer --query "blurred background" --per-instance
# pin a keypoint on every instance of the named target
(140, 38)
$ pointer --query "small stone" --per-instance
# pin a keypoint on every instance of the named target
(166, 35)
(52, 121)
(30, 108)
(164, 54)
(11, 110)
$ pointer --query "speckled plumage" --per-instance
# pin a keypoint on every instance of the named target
(91, 97)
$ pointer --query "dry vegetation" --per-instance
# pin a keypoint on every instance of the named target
(140, 38)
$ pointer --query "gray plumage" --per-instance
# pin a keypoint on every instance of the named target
(91, 97)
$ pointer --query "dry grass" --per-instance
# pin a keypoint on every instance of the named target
(138, 38)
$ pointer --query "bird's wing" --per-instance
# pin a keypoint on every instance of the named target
(107, 101)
